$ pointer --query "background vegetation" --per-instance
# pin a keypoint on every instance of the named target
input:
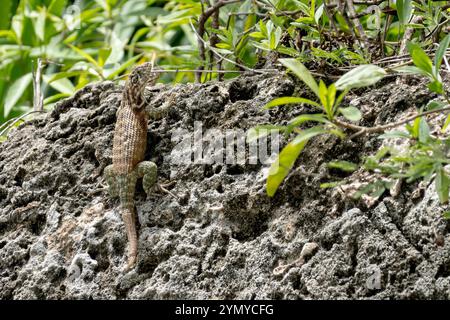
(51, 48)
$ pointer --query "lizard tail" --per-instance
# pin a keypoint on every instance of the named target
(130, 224)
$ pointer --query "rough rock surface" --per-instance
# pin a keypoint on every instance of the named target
(61, 236)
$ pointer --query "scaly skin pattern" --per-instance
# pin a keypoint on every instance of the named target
(129, 145)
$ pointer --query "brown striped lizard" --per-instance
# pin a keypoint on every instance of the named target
(129, 145)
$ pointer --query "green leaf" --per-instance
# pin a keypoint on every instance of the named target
(55, 98)
(15, 92)
(66, 74)
(262, 131)
(331, 184)
(447, 122)
(319, 13)
(440, 53)
(289, 100)
(362, 76)
(103, 55)
(424, 130)
(307, 117)
(446, 215)
(286, 159)
(435, 105)
(57, 7)
(351, 113)
(436, 86)
(84, 54)
(63, 85)
(123, 67)
(442, 184)
(323, 96)
(6, 14)
(343, 165)
(302, 72)
(39, 24)
(404, 10)
(420, 58)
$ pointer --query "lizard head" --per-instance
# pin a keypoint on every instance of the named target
(144, 75)
(141, 76)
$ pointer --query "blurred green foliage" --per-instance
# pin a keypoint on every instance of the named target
(84, 41)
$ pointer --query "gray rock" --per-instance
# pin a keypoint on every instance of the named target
(61, 236)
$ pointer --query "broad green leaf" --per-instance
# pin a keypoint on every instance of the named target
(404, 10)
(103, 55)
(6, 14)
(39, 24)
(424, 130)
(333, 184)
(420, 58)
(84, 54)
(302, 72)
(414, 128)
(288, 51)
(446, 215)
(257, 35)
(312, 8)
(319, 13)
(63, 85)
(343, 165)
(262, 131)
(323, 96)
(362, 76)
(286, 159)
(15, 92)
(57, 7)
(442, 184)
(436, 86)
(17, 25)
(331, 97)
(67, 74)
(289, 100)
(440, 53)
(117, 46)
(435, 105)
(351, 113)
(55, 98)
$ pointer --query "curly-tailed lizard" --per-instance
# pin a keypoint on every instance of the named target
(129, 145)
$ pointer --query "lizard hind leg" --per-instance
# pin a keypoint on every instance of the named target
(148, 171)
(111, 180)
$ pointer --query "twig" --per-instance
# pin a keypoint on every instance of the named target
(38, 96)
(225, 58)
(409, 32)
(213, 40)
(358, 26)
(201, 29)
(363, 130)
